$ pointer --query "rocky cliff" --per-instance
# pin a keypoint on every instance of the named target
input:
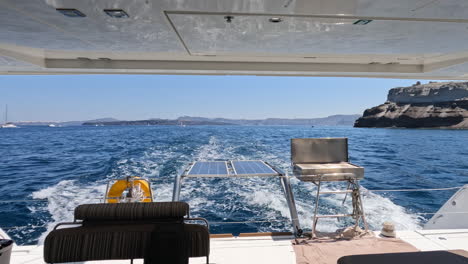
(432, 105)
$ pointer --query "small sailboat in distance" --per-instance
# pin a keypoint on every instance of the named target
(7, 124)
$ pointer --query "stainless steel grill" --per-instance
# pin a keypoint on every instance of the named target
(326, 160)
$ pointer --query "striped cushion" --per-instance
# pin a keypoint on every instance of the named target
(153, 231)
(132, 211)
(198, 240)
(97, 243)
(116, 242)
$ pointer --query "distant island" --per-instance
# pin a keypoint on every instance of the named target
(155, 122)
(432, 105)
(334, 120)
(61, 124)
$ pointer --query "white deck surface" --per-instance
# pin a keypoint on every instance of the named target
(274, 250)
(251, 250)
(223, 250)
(443, 239)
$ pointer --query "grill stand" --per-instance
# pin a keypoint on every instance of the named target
(358, 209)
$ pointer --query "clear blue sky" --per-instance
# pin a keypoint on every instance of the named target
(130, 97)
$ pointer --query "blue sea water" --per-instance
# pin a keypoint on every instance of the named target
(56, 169)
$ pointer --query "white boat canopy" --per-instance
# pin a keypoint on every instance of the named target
(423, 39)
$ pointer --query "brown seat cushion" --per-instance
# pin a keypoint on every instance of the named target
(427, 257)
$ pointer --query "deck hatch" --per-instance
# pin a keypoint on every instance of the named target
(247, 34)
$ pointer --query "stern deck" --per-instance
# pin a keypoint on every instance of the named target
(258, 248)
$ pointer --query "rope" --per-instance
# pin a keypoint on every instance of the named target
(234, 222)
(214, 223)
(277, 220)
(247, 222)
(357, 210)
(368, 190)
(391, 190)
(416, 190)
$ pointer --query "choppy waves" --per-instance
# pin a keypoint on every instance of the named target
(163, 151)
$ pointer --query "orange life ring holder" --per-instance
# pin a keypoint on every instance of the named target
(119, 186)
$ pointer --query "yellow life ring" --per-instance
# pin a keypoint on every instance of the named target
(115, 191)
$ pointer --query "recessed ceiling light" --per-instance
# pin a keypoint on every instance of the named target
(228, 18)
(275, 19)
(362, 22)
(70, 12)
(116, 13)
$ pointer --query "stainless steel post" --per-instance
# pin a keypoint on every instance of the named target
(315, 219)
(177, 185)
(286, 184)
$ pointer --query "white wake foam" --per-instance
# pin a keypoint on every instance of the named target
(262, 198)
(64, 197)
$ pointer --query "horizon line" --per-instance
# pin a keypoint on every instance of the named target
(152, 118)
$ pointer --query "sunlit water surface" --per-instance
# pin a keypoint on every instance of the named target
(67, 166)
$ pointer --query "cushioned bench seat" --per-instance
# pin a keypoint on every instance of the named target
(155, 232)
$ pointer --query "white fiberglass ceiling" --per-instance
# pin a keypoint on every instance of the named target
(374, 38)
